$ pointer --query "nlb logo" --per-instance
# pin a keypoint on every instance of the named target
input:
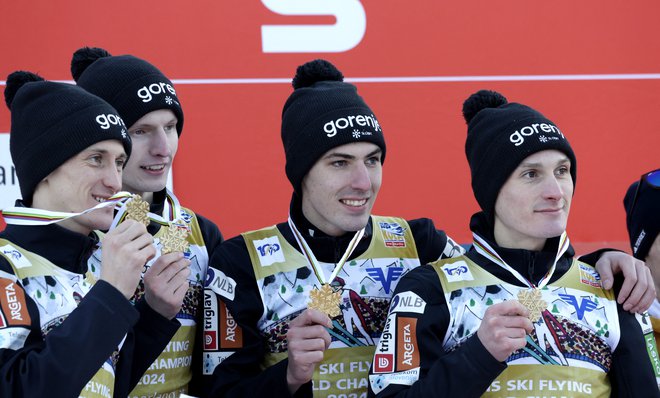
(146, 93)
(351, 121)
(346, 33)
(105, 121)
(518, 137)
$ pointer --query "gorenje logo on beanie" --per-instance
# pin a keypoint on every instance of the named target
(145, 92)
(518, 137)
(105, 120)
(345, 122)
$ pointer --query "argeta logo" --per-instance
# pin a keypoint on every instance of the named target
(518, 137)
(351, 121)
(105, 121)
(145, 93)
(383, 363)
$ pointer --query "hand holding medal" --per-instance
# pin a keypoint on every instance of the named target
(325, 300)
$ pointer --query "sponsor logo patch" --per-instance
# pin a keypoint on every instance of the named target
(269, 250)
(585, 304)
(589, 276)
(231, 335)
(393, 234)
(220, 283)
(383, 363)
(393, 273)
(210, 321)
(13, 304)
(387, 339)
(407, 355)
(15, 256)
(407, 302)
(457, 271)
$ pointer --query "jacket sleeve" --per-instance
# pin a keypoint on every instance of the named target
(212, 240)
(632, 372)
(410, 360)
(61, 363)
(239, 374)
(432, 244)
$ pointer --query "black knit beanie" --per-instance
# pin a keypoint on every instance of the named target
(52, 122)
(643, 220)
(132, 85)
(500, 136)
(322, 113)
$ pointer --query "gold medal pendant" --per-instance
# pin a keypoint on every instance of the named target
(174, 240)
(325, 300)
(137, 209)
(533, 301)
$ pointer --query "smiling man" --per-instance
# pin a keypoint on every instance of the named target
(65, 332)
(331, 255)
(148, 102)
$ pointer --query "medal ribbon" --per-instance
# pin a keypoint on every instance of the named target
(487, 251)
(34, 217)
(313, 262)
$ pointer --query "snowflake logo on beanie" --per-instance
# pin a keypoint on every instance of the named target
(543, 139)
(168, 100)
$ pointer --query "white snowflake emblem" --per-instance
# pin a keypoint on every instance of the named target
(543, 139)
(123, 134)
(356, 134)
(168, 100)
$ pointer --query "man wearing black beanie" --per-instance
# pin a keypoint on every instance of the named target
(148, 102)
(331, 248)
(642, 205)
(63, 331)
(517, 315)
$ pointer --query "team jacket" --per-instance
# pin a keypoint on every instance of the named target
(261, 281)
(583, 345)
(176, 370)
(62, 332)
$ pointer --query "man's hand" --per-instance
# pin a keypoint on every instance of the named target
(125, 251)
(166, 284)
(504, 329)
(638, 290)
(307, 340)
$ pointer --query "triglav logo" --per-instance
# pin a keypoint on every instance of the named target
(518, 137)
(352, 121)
(145, 93)
(105, 121)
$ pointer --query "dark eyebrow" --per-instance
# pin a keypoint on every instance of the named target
(101, 151)
(537, 165)
(375, 152)
(173, 120)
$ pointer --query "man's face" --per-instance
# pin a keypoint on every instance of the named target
(534, 203)
(155, 141)
(339, 191)
(82, 182)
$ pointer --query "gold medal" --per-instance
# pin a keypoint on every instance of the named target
(174, 240)
(533, 301)
(325, 300)
(137, 209)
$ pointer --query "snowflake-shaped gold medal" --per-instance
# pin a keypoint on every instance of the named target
(137, 209)
(533, 301)
(325, 300)
(174, 240)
